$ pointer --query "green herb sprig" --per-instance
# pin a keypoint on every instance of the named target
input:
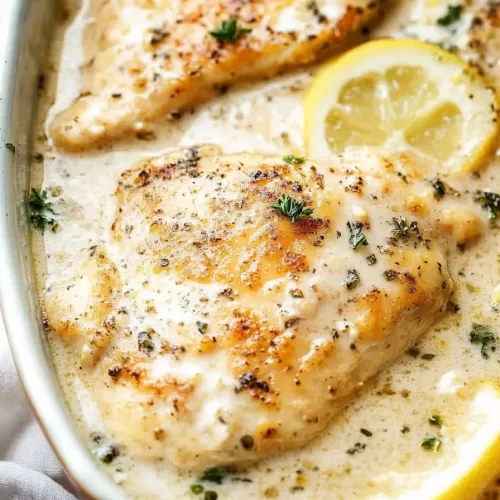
(229, 31)
(213, 475)
(482, 335)
(352, 280)
(452, 15)
(436, 420)
(356, 238)
(40, 210)
(292, 208)
(294, 160)
(431, 444)
(401, 227)
(490, 202)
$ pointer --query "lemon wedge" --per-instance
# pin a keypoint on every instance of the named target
(476, 462)
(402, 95)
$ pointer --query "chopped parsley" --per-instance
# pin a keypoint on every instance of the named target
(428, 356)
(452, 16)
(197, 489)
(213, 475)
(40, 210)
(436, 420)
(352, 280)
(372, 259)
(356, 237)
(10, 147)
(105, 451)
(202, 327)
(356, 449)
(431, 444)
(229, 31)
(211, 495)
(290, 207)
(294, 160)
(490, 202)
(484, 336)
(144, 342)
(401, 227)
(439, 188)
(366, 432)
(390, 274)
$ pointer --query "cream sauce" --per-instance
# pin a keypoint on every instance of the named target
(395, 407)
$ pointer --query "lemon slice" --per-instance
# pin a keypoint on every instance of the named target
(402, 95)
(477, 461)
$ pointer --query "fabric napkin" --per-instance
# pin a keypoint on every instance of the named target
(29, 469)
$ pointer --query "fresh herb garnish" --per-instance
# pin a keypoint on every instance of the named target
(105, 451)
(452, 16)
(211, 495)
(390, 274)
(352, 280)
(401, 227)
(439, 188)
(356, 449)
(197, 489)
(10, 146)
(428, 356)
(213, 475)
(366, 432)
(145, 343)
(229, 31)
(294, 160)
(202, 327)
(489, 202)
(431, 444)
(40, 209)
(290, 207)
(436, 420)
(356, 237)
(372, 259)
(483, 335)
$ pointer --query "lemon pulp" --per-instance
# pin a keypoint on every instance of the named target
(402, 95)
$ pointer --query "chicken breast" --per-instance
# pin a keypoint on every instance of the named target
(149, 58)
(238, 300)
(470, 29)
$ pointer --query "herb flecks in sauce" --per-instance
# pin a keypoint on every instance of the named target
(452, 15)
(41, 211)
(436, 420)
(10, 147)
(356, 236)
(490, 202)
(401, 227)
(439, 188)
(292, 208)
(104, 450)
(352, 280)
(213, 475)
(229, 31)
(294, 160)
(483, 336)
(431, 444)
(197, 489)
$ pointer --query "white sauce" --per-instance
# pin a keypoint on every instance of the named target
(395, 407)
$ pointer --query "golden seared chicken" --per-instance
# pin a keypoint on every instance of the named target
(148, 58)
(471, 29)
(238, 300)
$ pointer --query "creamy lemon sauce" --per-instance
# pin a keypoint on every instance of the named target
(373, 448)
